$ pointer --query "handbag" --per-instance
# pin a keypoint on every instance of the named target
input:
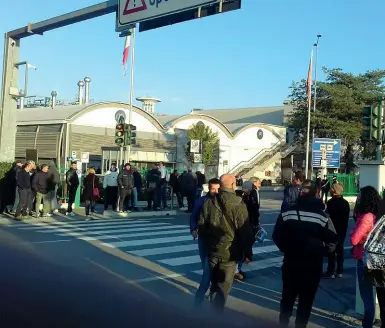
(95, 191)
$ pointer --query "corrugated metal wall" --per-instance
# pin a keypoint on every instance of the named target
(44, 138)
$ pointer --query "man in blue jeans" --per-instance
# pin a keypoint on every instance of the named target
(214, 185)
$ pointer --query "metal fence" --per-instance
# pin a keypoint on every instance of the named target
(349, 181)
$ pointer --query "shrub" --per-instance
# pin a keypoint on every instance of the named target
(4, 168)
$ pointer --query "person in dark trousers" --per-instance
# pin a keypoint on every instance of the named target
(52, 185)
(125, 183)
(176, 187)
(304, 233)
(90, 183)
(32, 198)
(136, 191)
(182, 184)
(72, 180)
(214, 185)
(190, 181)
(24, 190)
(8, 188)
(162, 187)
(226, 233)
(252, 200)
(325, 188)
(110, 186)
(338, 209)
(291, 193)
(153, 178)
(40, 187)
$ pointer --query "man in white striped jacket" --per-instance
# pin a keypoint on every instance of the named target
(305, 234)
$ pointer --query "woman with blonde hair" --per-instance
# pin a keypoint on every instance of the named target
(90, 191)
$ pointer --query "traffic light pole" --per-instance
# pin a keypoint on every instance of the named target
(128, 152)
(379, 130)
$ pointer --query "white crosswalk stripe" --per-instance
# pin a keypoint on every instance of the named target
(168, 244)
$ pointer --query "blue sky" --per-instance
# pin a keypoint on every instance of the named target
(241, 59)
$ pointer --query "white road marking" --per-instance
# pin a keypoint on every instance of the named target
(142, 242)
(164, 250)
(141, 234)
(154, 228)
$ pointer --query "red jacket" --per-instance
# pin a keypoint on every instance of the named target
(364, 225)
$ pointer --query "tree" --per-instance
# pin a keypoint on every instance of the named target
(210, 141)
(340, 99)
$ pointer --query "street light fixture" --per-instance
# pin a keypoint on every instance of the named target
(27, 67)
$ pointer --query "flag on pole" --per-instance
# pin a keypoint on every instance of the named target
(126, 52)
(309, 81)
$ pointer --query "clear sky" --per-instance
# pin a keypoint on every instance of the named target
(244, 58)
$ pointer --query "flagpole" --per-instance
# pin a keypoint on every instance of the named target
(132, 70)
(308, 124)
(315, 85)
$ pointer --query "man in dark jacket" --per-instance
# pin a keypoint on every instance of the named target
(190, 184)
(53, 180)
(325, 188)
(304, 234)
(153, 180)
(24, 190)
(40, 187)
(291, 194)
(125, 183)
(226, 233)
(176, 187)
(214, 185)
(72, 180)
(338, 209)
(17, 168)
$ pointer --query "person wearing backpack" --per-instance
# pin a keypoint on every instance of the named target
(366, 211)
(291, 194)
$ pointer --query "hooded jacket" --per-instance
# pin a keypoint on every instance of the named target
(227, 236)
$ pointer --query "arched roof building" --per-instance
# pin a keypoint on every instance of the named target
(57, 132)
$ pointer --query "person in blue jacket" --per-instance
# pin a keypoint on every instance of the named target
(214, 185)
(291, 193)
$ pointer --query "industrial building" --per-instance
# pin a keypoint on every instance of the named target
(253, 141)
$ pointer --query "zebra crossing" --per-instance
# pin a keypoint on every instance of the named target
(166, 243)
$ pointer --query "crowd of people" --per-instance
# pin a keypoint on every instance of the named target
(26, 186)
(309, 228)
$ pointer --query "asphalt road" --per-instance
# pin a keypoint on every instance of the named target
(127, 272)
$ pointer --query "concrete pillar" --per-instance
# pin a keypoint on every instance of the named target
(8, 104)
(372, 173)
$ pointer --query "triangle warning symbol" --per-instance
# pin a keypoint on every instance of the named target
(133, 6)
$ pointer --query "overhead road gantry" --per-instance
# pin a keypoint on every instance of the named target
(154, 14)
(10, 91)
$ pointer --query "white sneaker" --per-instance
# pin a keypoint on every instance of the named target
(71, 214)
(48, 215)
(88, 217)
(56, 211)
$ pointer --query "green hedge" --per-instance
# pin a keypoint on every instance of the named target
(4, 168)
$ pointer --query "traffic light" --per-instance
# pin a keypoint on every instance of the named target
(119, 135)
(372, 122)
(130, 134)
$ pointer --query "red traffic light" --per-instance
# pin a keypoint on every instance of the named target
(120, 127)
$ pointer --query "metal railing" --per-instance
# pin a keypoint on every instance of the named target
(251, 162)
